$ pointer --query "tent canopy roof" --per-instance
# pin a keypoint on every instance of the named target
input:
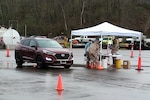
(106, 29)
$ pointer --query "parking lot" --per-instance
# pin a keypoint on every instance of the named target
(79, 83)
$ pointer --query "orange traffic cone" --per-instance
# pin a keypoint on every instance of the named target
(131, 51)
(131, 54)
(139, 61)
(59, 84)
(139, 64)
(100, 67)
(7, 52)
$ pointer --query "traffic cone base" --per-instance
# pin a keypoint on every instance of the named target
(139, 69)
(100, 67)
(59, 84)
(59, 89)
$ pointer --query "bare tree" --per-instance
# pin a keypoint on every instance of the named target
(82, 11)
(1, 14)
(147, 26)
(64, 15)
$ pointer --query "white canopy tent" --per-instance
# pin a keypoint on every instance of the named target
(107, 29)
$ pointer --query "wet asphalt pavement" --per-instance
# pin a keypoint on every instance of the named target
(79, 83)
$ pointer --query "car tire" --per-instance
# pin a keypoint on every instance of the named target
(19, 60)
(40, 62)
(67, 66)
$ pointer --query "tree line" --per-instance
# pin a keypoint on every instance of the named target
(57, 17)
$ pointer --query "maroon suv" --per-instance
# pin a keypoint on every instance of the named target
(42, 51)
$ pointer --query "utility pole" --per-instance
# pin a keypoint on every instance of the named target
(25, 30)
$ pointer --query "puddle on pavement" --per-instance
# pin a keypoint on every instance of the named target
(7, 64)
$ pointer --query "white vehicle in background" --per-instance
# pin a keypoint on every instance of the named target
(81, 41)
(84, 39)
(145, 43)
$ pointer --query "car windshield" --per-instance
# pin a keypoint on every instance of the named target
(47, 43)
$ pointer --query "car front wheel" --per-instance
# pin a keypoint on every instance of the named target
(40, 62)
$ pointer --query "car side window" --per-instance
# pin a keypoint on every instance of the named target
(22, 42)
(25, 42)
(32, 43)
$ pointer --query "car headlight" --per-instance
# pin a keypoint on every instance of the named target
(48, 52)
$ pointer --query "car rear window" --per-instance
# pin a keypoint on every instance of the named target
(48, 44)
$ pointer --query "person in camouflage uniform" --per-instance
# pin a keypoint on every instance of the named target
(94, 52)
(115, 48)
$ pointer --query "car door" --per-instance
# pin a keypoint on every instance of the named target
(32, 49)
(25, 48)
